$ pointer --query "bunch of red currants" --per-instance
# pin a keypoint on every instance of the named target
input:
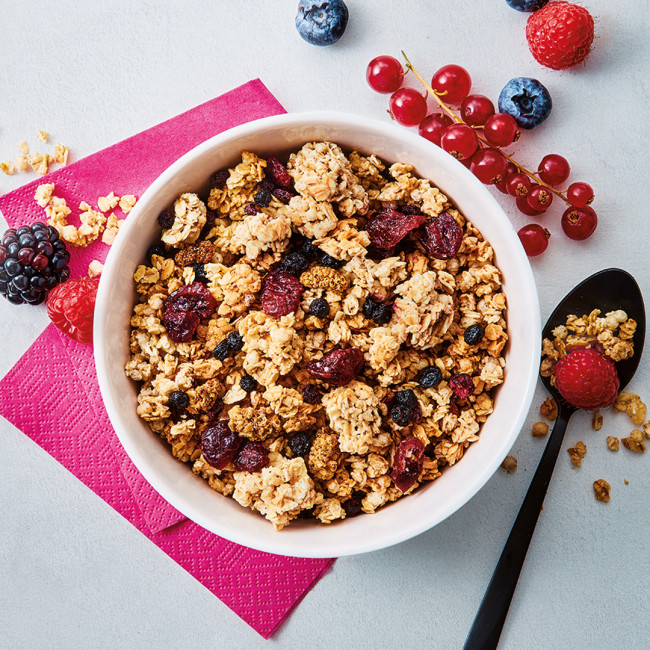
(474, 133)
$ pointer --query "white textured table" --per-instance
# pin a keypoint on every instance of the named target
(73, 573)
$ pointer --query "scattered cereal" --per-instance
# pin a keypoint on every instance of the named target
(127, 203)
(95, 268)
(549, 408)
(509, 464)
(631, 404)
(577, 453)
(41, 136)
(612, 443)
(597, 420)
(106, 203)
(23, 147)
(601, 490)
(634, 442)
(540, 429)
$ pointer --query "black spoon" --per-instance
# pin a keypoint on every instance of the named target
(606, 290)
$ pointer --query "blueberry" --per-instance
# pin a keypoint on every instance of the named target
(166, 219)
(235, 341)
(247, 383)
(178, 401)
(321, 22)
(331, 262)
(474, 334)
(319, 307)
(222, 351)
(300, 443)
(527, 100)
(527, 5)
(406, 398)
(262, 197)
(294, 263)
(382, 314)
(401, 415)
(429, 377)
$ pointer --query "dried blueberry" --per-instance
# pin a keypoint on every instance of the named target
(199, 273)
(401, 415)
(300, 443)
(282, 195)
(429, 377)
(294, 263)
(310, 251)
(311, 394)
(222, 351)
(178, 401)
(319, 307)
(369, 306)
(382, 314)
(331, 262)
(406, 398)
(248, 384)
(235, 341)
(262, 197)
(352, 506)
(474, 334)
(219, 178)
(166, 219)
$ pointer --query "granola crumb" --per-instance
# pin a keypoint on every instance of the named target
(646, 429)
(601, 490)
(612, 443)
(549, 408)
(634, 442)
(7, 167)
(108, 203)
(577, 453)
(540, 429)
(42, 136)
(509, 464)
(597, 421)
(61, 153)
(95, 268)
(127, 203)
(23, 147)
(631, 404)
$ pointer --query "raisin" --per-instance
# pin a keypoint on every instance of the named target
(218, 179)
(193, 297)
(462, 385)
(407, 466)
(248, 384)
(278, 173)
(282, 195)
(338, 367)
(281, 293)
(252, 457)
(235, 341)
(222, 351)
(166, 219)
(300, 443)
(441, 237)
(319, 307)
(262, 197)
(250, 209)
(429, 377)
(311, 394)
(294, 263)
(474, 334)
(388, 227)
(178, 401)
(220, 445)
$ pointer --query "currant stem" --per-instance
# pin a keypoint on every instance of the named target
(450, 112)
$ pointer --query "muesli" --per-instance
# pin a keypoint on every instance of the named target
(317, 338)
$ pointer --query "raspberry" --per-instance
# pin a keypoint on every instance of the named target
(587, 379)
(71, 306)
(560, 35)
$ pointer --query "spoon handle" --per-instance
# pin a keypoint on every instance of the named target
(492, 613)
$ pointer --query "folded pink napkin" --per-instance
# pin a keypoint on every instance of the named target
(66, 416)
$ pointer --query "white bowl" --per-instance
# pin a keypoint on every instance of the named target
(430, 504)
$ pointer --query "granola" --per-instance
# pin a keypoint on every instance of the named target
(305, 444)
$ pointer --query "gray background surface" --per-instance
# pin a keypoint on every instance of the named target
(74, 574)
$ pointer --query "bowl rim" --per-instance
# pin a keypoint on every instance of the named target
(276, 543)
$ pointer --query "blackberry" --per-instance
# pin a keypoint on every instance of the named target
(235, 341)
(401, 414)
(248, 384)
(166, 219)
(319, 307)
(33, 260)
(406, 398)
(262, 197)
(294, 263)
(474, 334)
(310, 251)
(331, 262)
(300, 443)
(429, 377)
(311, 394)
(199, 273)
(178, 401)
(382, 314)
(222, 351)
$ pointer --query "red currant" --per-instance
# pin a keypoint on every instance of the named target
(460, 141)
(407, 106)
(385, 74)
(554, 169)
(579, 223)
(489, 166)
(475, 109)
(534, 239)
(511, 169)
(524, 206)
(432, 126)
(539, 198)
(579, 195)
(501, 130)
(518, 185)
(452, 83)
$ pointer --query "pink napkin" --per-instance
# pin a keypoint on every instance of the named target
(66, 416)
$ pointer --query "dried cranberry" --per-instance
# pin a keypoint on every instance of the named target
(220, 445)
(213, 413)
(338, 367)
(441, 237)
(252, 457)
(219, 178)
(180, 325)
(193, 297)
(281, 293)
(166, 219)
(311, 394)
(408, 462)
(352, 506)
(250, 209)
(462, 385)
(388, 227)
(278, 173)
(410, 209)
(282, 195)
(210, 218)
(300, 443)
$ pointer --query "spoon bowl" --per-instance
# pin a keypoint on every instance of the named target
(607, 290)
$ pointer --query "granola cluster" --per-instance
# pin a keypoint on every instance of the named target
(261, 396)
